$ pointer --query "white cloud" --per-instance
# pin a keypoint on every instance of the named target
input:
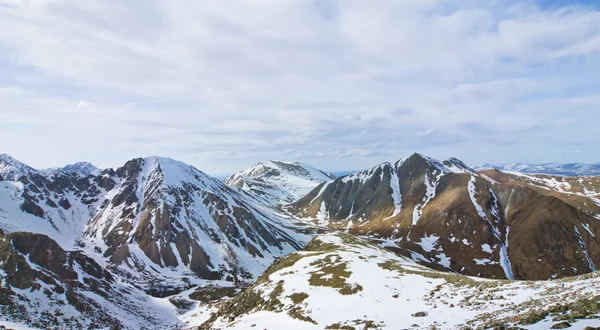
(341, 84)
(82, 104)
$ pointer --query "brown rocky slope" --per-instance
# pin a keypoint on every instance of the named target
(450, 217)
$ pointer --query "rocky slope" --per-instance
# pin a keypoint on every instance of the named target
(155, 223)
(167, 214)
(278, 183)
(154, 243)
(449, 217)
(48, 287)
(571, 169)
(343, 282)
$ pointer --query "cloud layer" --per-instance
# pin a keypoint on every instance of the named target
(339, 84)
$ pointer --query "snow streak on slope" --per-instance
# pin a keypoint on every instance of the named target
(277, 182)
(396, 194)
(362, 176)
(504, 260)
(584, 249)
(343, 281)
(429, 195)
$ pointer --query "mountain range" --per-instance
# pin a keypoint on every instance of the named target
(571, 169)
(157, 243)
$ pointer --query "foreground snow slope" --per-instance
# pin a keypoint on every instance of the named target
(344, 282)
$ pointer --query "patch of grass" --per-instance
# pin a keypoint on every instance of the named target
(212, 293)
(299, 297)
(349, 289)
(285, 262)
(244, 303)
(355, 324)
(298, 313)
(352, 240)
(533, 317)
(277, 291)
(569, 312)
(581, 309)
(317, 245)
(333, 276)
(339, 326)
(562, 325)
(391, 265)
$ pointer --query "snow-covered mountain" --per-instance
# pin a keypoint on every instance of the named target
(152, 211)
(345, 282)
(83, 168)
(168, 214)
(449, 217)
(154, 243)
(47, 287)
(155, 223)
(12, 169)
(279, 183)
(571, 169)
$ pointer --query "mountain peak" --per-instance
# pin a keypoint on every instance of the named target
(82, 168)
(450, 165)
(12, 169)
(279, 182)
(457, 166)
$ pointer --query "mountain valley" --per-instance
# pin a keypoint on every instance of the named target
(157, 243)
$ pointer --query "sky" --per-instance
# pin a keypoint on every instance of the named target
(340, 85)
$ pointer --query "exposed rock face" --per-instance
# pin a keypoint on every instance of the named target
(155, 223)
(42, 283)
(279, 183)
(59, 205)
(178, 216)
(151, 215)
(447, 216)
(20, 250)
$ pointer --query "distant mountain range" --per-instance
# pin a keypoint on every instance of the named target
(83, 168)
(157, 243)
(571, 169)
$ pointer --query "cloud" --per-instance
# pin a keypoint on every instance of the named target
(82, 104)
(340, 84)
